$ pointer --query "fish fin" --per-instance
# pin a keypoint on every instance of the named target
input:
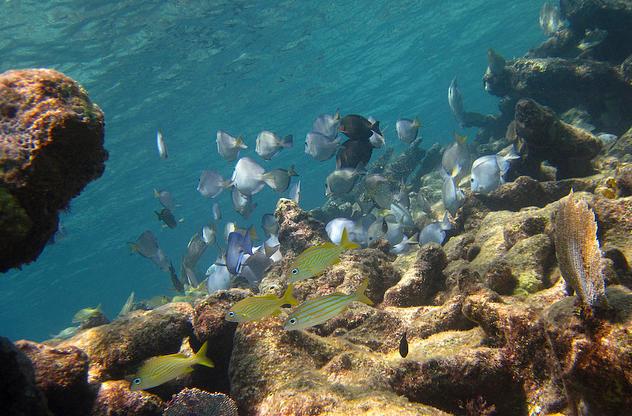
(288, 297)
(181, 220)
(455, 171)
(460, 139)
(416, 123)
(201, 358)
(375, 126)
(157, 214)
(276, 312)
(133, 248)
(156, 194)
(287, 141)
(360, 296)
(240, 143)
(337, 115)
(414, 239)
(291, 171)
(345, 242)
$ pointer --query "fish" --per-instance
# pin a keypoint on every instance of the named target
(341, 181)
(592, 38)
(238, 245)
(255, 266)
(270, 225)
(318, 310)
(314, 260)
(248, 176)
(335, 227)
(162, 147)
(66, 333)
(377, 230)
(452, 196)
(85, 314)
(146, 244)
(229, 146)
(495, 62)
(254, 308)
(209, 234)
(403, 346)
(155, 302)
(327, 125)
(455, 100)
(402, 216)
(455, 160)
(217, 213)
(158, 370)
(320, 147)
(357, 127)
(165, 199)
(379, 189)
(166, 216)
(295, 192)
(177, 284)
(405, 245)
(407, 129)
(377, 140)
(127, 306)
(550, 19)
(607, 138)
(488, 172)
(217, 275)
(354, 154)
(160, 259)
(211, 184)
(195, 249)
(402, 197)
(269, 144)
(435, 231)
(242, 203)
(279, 179)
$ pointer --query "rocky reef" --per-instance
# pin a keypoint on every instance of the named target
(51, 147)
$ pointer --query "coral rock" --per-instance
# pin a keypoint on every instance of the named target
(622, 148)
(530, 261)
(116, 399)
(200, 403)
(51, 147)
(297, 229)
(62, 375)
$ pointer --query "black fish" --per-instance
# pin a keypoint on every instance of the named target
(353, 153)
(167, 217)
(356, 127)
(403, 346)
(177, 284)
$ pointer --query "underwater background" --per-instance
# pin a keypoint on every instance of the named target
(190, 68)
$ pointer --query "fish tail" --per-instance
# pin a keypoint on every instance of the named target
(201, 358)
(416, 122)
(133, 247)
(291, 171)
(156, 193)
(337, 115)
(360, 296)
(240, 143)
(288, 297)
(287, 141)
(460, 139)
(344, 241)
(455, 171)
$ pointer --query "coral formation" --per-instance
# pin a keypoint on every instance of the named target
(51, 146)
(200, 403)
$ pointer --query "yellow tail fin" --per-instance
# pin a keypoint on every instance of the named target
(360, 296)
(344, 241)
(460, 139)
(288, 297)
(201, 358)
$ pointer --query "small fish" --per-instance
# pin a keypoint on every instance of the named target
(403, 346)
(435, 231)
(452, 196)
(327, 125)
(86, 314)
(402, 216)
(404, 246)
(162, 147)
(279, 179)
(495, 62)
(354, 154)
(270, 225)
(341, 181)
(592, 38)
(127, 306)
(248, 176)
(195, 249)
(550, 19)
(379, 189)
(242, 203)
(217, 213)
(211, 184)
(357, 127)
(320, 147)
(455, 160)
(209, 234)
(269, 144)
(377, 230)
(314, 260)
(177, 284)
(228, 146)
(488, 172)
(160, 259)
(158, 370)
(455, 99)
(254, 308)
(166, 216)
(336, 226)
(255, 266)
(165, 199)
(377, 140)
(146, 244)
(295, 192)
(66, 333)
(607, 138)
(156, 302)
(407, 129)
(217, 276)
(238, 245)
(318, 310)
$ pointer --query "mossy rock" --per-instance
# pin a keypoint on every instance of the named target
(14, 221)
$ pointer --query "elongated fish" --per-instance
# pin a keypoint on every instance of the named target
(162, 147)
(314, 260)
(318, 310)
(254, 308)
(158, 370)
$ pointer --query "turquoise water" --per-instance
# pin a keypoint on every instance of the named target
(192, 67)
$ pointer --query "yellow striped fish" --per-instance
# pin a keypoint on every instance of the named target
(318, 310)
(258, 307)
(158, 370)
(314, 260)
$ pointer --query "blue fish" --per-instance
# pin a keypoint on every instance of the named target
(238, 245)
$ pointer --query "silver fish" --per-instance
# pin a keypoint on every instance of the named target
(592, 38)
(341, 181)
(165, 199)
(196, 247)
(405, 245)
(162, 147)
(209, 234)
(146, 244)
(327, 125)
(407, 130)
(550, 20)
(211, 184)
(255, 267)
(455, 99)
(320, 147)
(435, 231)
(248, 176)
(295, 192)
(452, 196)
(402, 216)
(335, 227)
(377, 140)
(607, 138)
(217, 213)
(269, 144)
(217, 276)
(228, 146)
(455, 160)
(379, 189)
(127, 306)
(377, 230)
(269, 224)
(67, 333)
(279, 179)
(242, 203)
(488, 172)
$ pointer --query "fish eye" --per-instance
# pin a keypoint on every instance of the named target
(292, 321)
(136, 380)
(294, 271)
(231, 314)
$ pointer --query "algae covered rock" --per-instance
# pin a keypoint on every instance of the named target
(51, 147)
(115, 398)
(200, 403)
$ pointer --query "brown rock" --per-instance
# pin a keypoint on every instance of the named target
(624, 181)
(530, 261)
(197, 402)
(499, 278)
(116, 399)
(297, 229)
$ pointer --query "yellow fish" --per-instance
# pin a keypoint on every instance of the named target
(257, 307)
(314, 260)
(318, 310)
(158, 370)
(86, 314)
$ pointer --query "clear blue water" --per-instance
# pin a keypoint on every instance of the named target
(192, 67)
